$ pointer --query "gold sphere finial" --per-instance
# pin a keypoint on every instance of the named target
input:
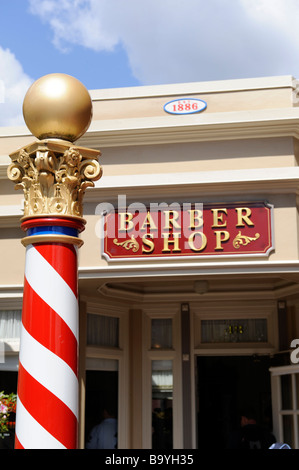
(57, 106)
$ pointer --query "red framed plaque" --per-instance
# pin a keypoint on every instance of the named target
(188, 230)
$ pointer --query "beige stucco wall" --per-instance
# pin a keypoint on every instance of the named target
(12, 257)
(217, 102)
(227, 96)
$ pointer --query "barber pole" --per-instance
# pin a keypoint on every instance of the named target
(47, 401)
(53, 173)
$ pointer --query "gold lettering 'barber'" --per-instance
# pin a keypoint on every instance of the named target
(125, 222)
(218, 216)
(171, 218)
(148, 222)
(243, 217)
(173, 221)
(196, 218)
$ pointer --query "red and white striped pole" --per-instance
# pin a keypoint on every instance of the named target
(53, 174)
(47, 404)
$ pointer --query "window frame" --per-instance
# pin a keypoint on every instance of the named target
(277, 410)
(11, 345)
(149, 355)
(121, 355)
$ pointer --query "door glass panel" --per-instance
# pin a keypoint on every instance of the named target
(297, 391)
(101, 407)
(286, 392)
(226, 385)
(288, 429)
(162, 395)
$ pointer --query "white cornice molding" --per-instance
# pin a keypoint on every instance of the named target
(195, 184)
(217, 86)
(136, 270)
(10, 293)
(3, 171)
(265, 123)
(10, 215)
(14, 131)
(281, 174)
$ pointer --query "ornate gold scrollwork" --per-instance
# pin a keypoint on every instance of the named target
(130, 244)
(244, 240)
(54, 177)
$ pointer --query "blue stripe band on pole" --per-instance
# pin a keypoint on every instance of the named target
(52, 230)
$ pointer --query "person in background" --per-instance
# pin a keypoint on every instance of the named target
(251, 434)
(104, 435)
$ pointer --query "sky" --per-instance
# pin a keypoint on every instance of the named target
(128, 43)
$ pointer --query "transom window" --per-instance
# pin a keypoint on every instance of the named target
(102, 330)
(253, 330)
(161, 337)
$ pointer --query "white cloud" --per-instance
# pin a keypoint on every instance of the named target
(182, 40)
(283, 13)
(15, 84)
(84, 22)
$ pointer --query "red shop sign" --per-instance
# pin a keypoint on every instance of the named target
(188, 230)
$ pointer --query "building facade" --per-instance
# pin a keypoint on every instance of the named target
(189, 271)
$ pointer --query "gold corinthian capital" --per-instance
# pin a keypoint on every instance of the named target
(54, 176)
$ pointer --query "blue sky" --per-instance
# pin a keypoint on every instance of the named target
(121, 43)
(31, 41)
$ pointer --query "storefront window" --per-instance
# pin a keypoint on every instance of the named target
(102, 330)
(161, 333)
(162, 396)
(10, 324)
